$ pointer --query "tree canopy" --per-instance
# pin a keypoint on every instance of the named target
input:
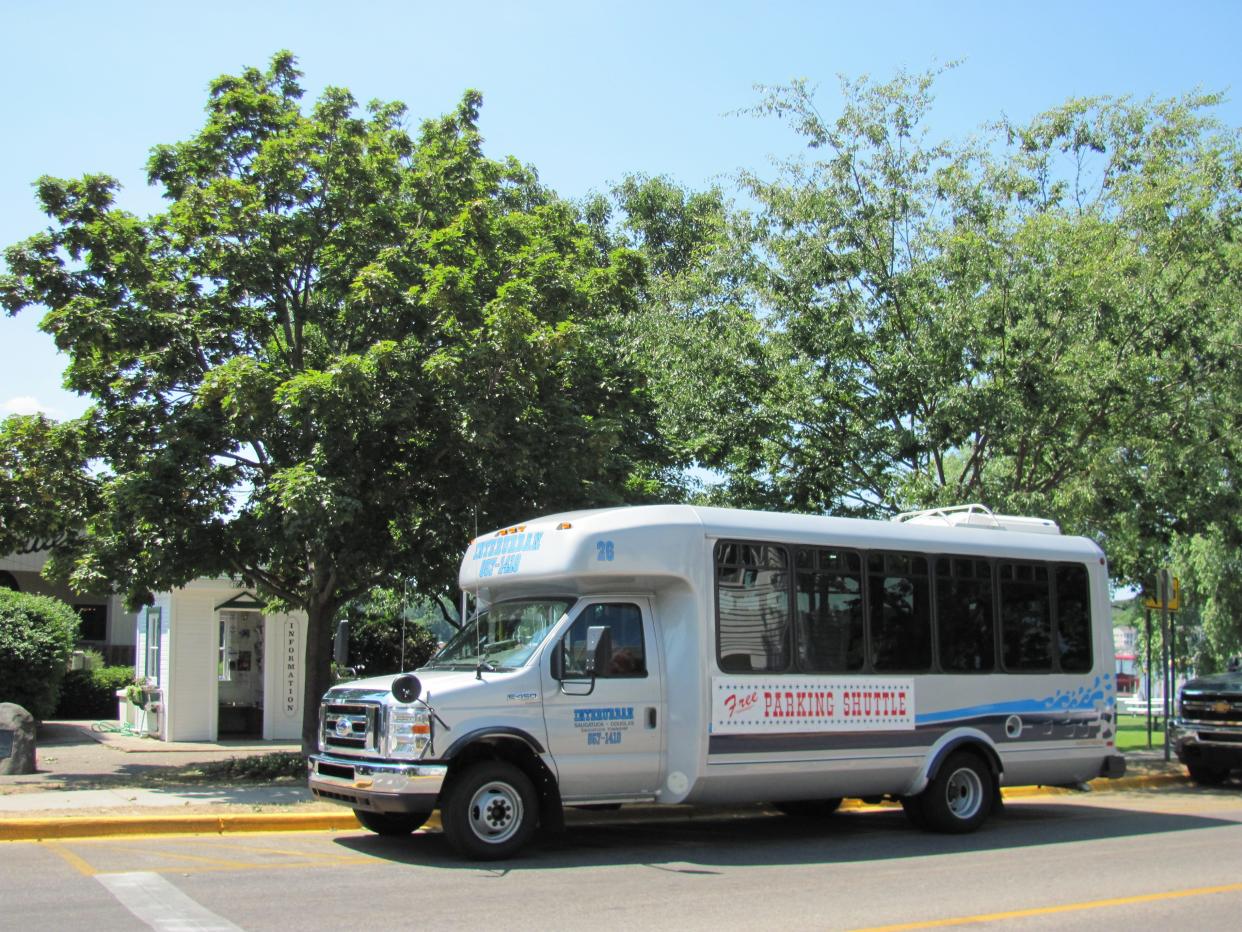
(336, 349)
(1041, 318)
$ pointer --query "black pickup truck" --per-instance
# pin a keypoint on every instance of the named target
(1207, 734)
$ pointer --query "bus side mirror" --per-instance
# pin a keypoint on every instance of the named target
(598, 649)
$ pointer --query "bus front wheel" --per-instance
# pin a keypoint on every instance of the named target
(490, 811)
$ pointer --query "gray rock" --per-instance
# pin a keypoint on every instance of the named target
(17, 739)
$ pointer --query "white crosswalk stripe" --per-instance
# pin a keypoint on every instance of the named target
(161, 905)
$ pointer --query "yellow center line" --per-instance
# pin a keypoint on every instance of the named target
(1053, 910)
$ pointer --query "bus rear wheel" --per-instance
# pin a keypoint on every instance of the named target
(960, 796)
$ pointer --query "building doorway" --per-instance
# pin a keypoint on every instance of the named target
(240, 674)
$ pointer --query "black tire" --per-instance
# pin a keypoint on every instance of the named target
(960, 797)
(391, 823)
(912, 806)
(490, 811)
(808, 808)
(1208, 776)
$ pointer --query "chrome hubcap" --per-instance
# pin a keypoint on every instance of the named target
(964, 793)
(495, 812)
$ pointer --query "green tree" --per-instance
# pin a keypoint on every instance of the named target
(379, 622)
(697, 336)
(1041, 322)
(336, 350)
(37, 634)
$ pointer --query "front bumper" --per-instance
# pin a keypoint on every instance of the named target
(1208, 743)
(377, 786)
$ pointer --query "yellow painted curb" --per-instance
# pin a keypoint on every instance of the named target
(44, 828)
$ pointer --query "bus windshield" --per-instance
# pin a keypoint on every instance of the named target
(502, 637)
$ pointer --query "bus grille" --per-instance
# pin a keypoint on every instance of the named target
(351, 727)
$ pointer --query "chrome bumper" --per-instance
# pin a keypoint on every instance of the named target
(1194, 740)
(378, 786)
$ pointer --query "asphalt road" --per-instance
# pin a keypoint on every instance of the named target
(1133, 860)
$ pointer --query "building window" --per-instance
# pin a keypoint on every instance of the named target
(92, 622)
(153, 645)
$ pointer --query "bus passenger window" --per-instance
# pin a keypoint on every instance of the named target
(829, 611)
(1073, 618)
(1026, 619)
(900, 612)
(964, 616)
(752, 607)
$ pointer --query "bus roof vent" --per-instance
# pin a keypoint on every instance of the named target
(978, 516)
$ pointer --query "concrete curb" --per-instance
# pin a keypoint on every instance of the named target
(45, 829)
(50, 829)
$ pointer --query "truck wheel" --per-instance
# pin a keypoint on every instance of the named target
(1208, 776)
(912, 806)
(490, 811)
(808, 808)
(391, 823)
(961, 795)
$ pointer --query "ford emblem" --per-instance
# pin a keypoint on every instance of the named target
(343, 727)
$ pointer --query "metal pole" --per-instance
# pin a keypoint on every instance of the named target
(1168, 654)
(1148, 671)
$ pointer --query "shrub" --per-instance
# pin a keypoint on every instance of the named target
(279, 765)
(92, 693)
(36, 639)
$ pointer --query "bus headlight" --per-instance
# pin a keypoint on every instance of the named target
(408, 732)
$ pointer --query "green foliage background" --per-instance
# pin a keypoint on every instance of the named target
(36, 638)
(92, 693)
(375, 627)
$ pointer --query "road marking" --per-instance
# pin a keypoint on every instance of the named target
(298, 860)
(1053, 910)
(80, 864)
(161, 905)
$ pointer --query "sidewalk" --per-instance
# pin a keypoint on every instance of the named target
(102, 783)
(93, 783)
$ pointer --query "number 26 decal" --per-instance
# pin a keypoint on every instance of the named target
(604, 550)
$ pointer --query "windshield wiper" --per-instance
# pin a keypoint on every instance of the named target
(485, 666)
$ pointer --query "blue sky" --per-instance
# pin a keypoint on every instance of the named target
(586, 92)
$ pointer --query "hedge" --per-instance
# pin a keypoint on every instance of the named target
(92, 693)
(37, 634)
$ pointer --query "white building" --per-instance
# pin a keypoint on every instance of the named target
(105, 626)
(218, 667)
(214, 664)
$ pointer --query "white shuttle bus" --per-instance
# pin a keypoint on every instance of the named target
(674, 654)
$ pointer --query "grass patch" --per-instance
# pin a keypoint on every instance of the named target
(1132, 733)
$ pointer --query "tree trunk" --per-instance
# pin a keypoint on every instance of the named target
(318, 672)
